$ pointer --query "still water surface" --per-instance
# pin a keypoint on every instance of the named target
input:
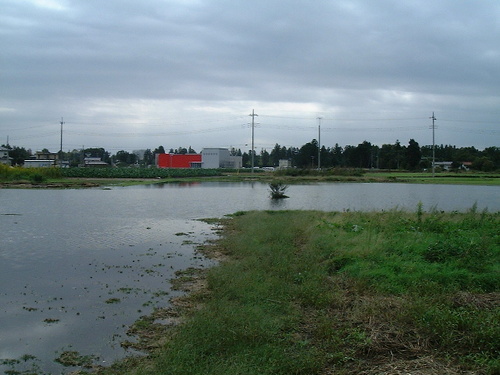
(65, 255)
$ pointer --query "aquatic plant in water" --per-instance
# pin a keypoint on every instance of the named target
(278, 190)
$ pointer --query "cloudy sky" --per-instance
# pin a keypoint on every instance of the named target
(128, 74)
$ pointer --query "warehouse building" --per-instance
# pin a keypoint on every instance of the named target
(178, 160)
(209, 158)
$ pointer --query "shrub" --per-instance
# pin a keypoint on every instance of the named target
(37, 178)
(278, 190)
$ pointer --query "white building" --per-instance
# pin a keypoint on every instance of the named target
(444, 165)
(4, 156)
(285, 164)
(213, 158)
(94, 162)
(41, 163)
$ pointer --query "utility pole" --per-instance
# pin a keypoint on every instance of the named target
(319, 143)
(61, 149)
(433, 145)
(253, 127)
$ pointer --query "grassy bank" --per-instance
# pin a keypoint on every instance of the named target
(19, 177)
(341, 293)
(450, 178)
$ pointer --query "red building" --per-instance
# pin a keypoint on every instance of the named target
(178, 160)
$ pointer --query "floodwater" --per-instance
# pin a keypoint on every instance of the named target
(77, 267)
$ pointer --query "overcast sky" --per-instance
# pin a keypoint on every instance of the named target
(128, 74)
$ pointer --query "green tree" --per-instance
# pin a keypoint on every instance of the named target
(413, 155)
(245, 160)
(159, 150)
(493, 154)
(360, 156)
(337, 155)
(18, 154)
(483, 164)
(181, 150)
(264, 158)
(149, 157)
(97, 152)
(308, 155)
(275, 155)
(125, 158)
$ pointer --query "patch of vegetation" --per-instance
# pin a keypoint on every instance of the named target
(113, 300)
(344, 293)
(294, 172)
(278, 190)
(27, 364)
(32, 175)
(183, 278)
(75, 359)
(148, 173)
(51, 320)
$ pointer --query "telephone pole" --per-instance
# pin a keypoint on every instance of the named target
(61, 149)
(319, 143)
(433, 145)
(253, 127)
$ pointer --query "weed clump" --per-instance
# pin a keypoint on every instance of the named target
(278, 190)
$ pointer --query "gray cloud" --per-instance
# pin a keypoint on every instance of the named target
(152, 62)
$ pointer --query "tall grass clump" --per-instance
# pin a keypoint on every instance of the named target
(33, 175)
(278, 189)
(345, 293)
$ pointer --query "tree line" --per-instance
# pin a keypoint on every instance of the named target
(387, 156)
(365, 155)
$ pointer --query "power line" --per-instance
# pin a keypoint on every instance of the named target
(347, 119)
(156, 134)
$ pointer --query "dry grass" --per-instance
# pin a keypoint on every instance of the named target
(426, 365)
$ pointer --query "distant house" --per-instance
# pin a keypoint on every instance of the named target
(448, 165)
(94, 162)
(39, 155)
(42, 160)
(444, 165)
(4, 156)
(466, 165)
(285, 164)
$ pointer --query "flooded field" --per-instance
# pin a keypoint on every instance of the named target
(78, 267)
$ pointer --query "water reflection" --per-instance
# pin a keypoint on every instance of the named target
(74, 282)
(278, 204)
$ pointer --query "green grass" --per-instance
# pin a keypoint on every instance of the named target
(461, 178)
(343, 293)
(32, 175)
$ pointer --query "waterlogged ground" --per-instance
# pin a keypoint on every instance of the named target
(69, 295)
(78, 267)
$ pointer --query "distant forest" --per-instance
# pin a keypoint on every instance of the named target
(365, 155)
